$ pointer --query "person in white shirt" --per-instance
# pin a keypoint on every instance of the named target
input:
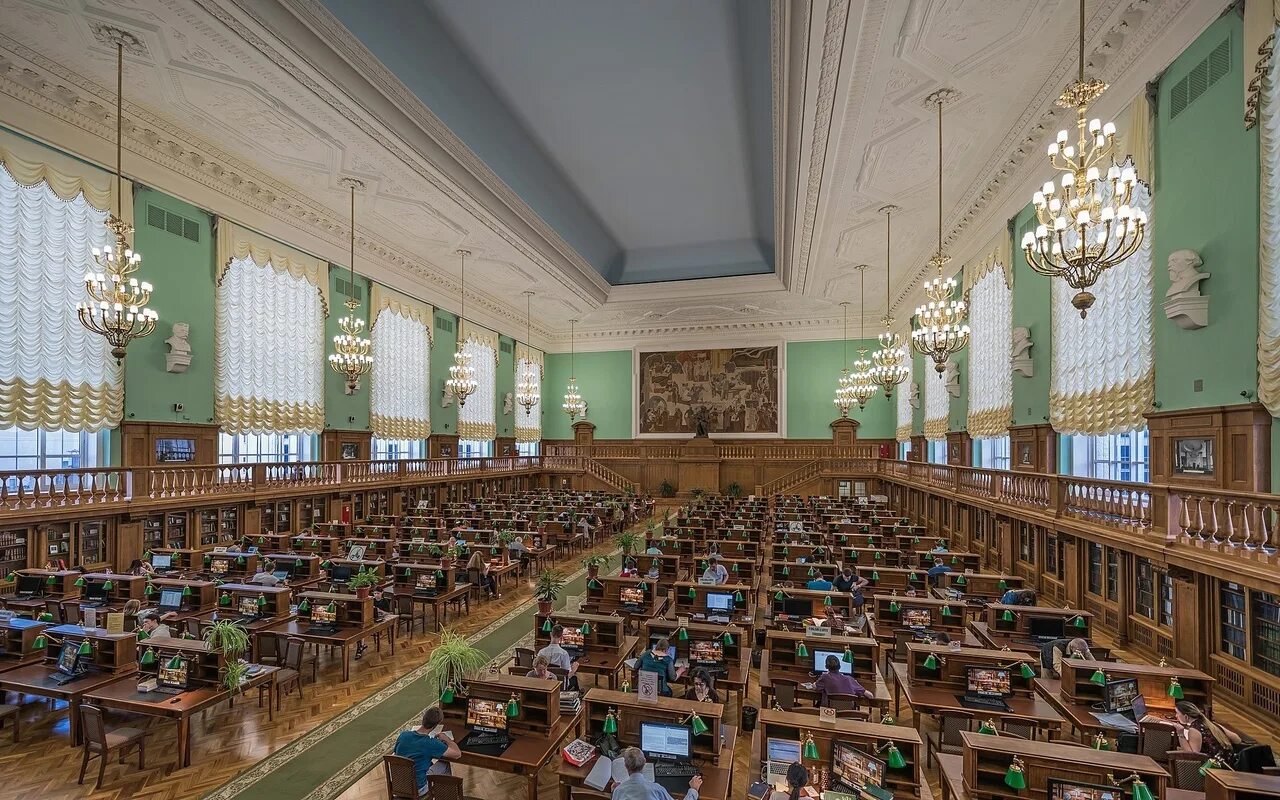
(555, 654)
(154, 628)
(638, 787)
(715, 571)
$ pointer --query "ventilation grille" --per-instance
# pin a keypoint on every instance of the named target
(1164, 646)
(506, 347)
(1111, 619)
(1230, 679)
(443, 324)
(1266, 698)
(1200, 78)
(170, 222)
(348, 289)
(1141, 635)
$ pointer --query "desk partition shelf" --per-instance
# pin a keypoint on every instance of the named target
(108, 652)
(270, 601)
(606, 633)
(352, 611)
(987, 760)
(1080, 686)
(538, 701)
(950, 666)
(787, 659)
(629, 711)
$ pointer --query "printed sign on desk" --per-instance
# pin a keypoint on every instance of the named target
(647, 686)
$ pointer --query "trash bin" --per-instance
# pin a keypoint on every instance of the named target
(749, 714)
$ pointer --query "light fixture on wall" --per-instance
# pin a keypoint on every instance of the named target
(1090, 227)
(844, 385)
(889, 369)
(573, 404)
(940, 323)
(864, 388)
(462, 376)
(528, 381)
(352, 352)
(118, 308)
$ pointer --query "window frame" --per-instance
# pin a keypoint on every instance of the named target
(230, 446)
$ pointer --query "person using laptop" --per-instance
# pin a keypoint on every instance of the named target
(797, 778)
(704, 688)
(265, 576)
(1060, 649)
(516, 549)
(820, 583)
(661, 660)
(833, 681)
(428, 749)
(555, 653)
(140, 567)
(155, 629)
(638, 787)
(715, 571)
(1197, 733)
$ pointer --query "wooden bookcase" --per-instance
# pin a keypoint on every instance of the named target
(630, 711)
(110, 652)
(539, 702)
(14, 550)
(987, 759)
(176, 524)
(93, 543)
(311, 511)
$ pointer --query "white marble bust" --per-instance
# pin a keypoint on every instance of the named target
(1184, 274)
(179, 356)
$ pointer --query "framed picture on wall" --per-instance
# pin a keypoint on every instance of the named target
(1193, 455)
(446, 451)
(1026, 452)
(350, 450)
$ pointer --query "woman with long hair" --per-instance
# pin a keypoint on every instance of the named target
(481, 564)
(797, 778)
(1199, 734)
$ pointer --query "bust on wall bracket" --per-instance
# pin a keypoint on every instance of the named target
(446, 399)
(1020, 353)
(508, 403)
(179, 356)
(913, 394)
(952, 378)
(1183, 304)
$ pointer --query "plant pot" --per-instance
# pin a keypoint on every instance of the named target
(544, 607)
(362, 592)
(593, 571)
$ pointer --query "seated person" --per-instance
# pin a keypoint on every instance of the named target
(704, 688)
(654, 572)
(819, 583)
(936, 572)
(1199, 734)
(797, 778)
(661, 660)
(140, 567)
(150, 623)
(715, 571)
(265, 576)
(131, 610)
(542, 669)
(833, 681)
(555, 653)
(653, 549)
(845, 580)
(638, 787)
(1018, 597)
(427, 748)
(516, 549)
(480, 564)
(1053, 653)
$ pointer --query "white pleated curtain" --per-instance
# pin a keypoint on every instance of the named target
(400, 382)
(54, 373)
(905, 411)
(476, 420)
(1103, 377)
(1269, 241)
(937, 405)
(269, 343)
(529, 425)
(990, 375)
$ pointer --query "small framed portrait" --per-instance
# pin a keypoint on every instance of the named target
(350, 451)
(446, 451)
(1026, 452)
(1193, 456)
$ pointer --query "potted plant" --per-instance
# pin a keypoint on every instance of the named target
(666, 489)
(363, 582)
(450, 663)
(734, 490)
(594, 563)
(228, 637)
(233, 675)
(547, 589)
(630, 542)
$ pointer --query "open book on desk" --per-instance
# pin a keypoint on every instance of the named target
(608, 769)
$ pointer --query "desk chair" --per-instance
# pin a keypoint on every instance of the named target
(1156, 740)
(947, 738)
(1021, 727)
(269, 649)
(1184, 770)
(11, 712)
(406, 613)
(524, 657)
(100, 742)
(843, 702)
(54, 609)
(444, 787)
(901, 638)
(584, 793)
(71, 612)
(402, 781)
(290, 675)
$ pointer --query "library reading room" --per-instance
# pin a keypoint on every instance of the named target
(639, 399)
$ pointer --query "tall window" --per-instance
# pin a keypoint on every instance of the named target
(993, 453)
(55, 375)
(1114, 457)
(270, 305)
(905, 410)
(390, 449)
(40, 449)
(1103, 378)
(938, 452)
(265, 448)
(529, 424)
(400, 383)
(990, 375)
(471, 448)
(937, 404)
(528, 448)
(476, 419)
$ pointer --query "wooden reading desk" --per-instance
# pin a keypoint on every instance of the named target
(357, 620)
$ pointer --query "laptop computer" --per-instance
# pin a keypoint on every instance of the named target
(986, 688)
(170, 600)
(780, 754)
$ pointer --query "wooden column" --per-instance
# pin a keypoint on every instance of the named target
(919, 449)
(1217, 447)
(1033, 448)
(959, 449)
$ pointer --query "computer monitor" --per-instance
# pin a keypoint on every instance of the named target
(282, 574)
(95, 591)
(988, 682)
(248, 607)
(488, 716)
(820, 661)
(218, 566)
(708, 653)
(916, 617)
(1063, 789)
(573, 640)
(426, 582)
(162, 560)
(30, 584)
(1046, 627)
(797, 607)
(321, 615)
(631, 596)
(69, 658)
(170, 599)
(1118, 695)
(340, 574)
(719, 601)
(663, 741)
(173, 674)
(854, 768)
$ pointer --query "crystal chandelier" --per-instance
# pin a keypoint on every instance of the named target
(844, 385)
(940, 324)
(573, 404)
(462, 376)
(888, 364)
(527, 384)
(863, 386)
(1090, 227)
(117, 309)
(351, 356)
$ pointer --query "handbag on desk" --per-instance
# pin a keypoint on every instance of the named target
(608, 745)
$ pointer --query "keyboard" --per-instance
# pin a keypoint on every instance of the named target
(982, 703)
(685, 771)
(321, 630)
(486, 739)
(63, 680)
(169, 690)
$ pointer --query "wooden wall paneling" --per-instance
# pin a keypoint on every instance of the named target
(1189, 636)
(333, 442)
(128, 541)
(1033, 448)
(139, 439)
(919, 449)
(443, 445)
(1073, 586)
(504, 446)
(959, 449)
(1241, 441)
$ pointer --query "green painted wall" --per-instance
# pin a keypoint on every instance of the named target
(444, 343)
(605, 382)
(812, 371)
(506, 383)
(183, 276)
(344, 412)
(1031, 310)
(1206, 199)
(921, 370)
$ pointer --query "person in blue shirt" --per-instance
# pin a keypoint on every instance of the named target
(820, 583)
(937, 571)
(426, 746)
(638, 787)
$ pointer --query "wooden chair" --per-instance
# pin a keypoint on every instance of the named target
(100, 742)
(1155, 740)
(843, 702)
(947, 738)
(406, 613)
(11, 712)
(524, 657)
(70, 612)
(901, 638)
(444, 787)
(784, 693)
(54, 609)
(1020, 727)
(269, 649)
(402, 781)
(1184, 770)
(289, 677)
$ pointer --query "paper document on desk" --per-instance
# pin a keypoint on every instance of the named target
(1117, 721)
(605, 770)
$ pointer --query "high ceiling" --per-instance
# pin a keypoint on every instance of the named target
(594, 151)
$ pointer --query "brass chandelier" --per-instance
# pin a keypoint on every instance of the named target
(1090, 227)
(889, 369)
(864, 388)
(844, 384)
(573, 404)
(940, 323)
(351, 356)
(527, 382)
(462, 381)
(117, 309)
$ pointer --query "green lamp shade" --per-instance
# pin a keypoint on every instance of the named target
(148, 657)
(853, 555)
(585, 630)
(894, 608)
(961, 581)
(1141, 792)
(439, 574)
(1175, 689)
(811, 749)
(955, 560)
(738, 598)
(786, 571)
(697, 725)
(879, 556)
(304, 606)
(224, 600)
(447, 695)
(326, 564)
(108, 586)
(735, 566)
(493, 551)
(1027, 671)
(866, 529)
(45, 617)
(1014, 778)
(727, 638)
(79, 581)
(186, 591)
(1099, 677)
(40, 643)
(262, 540)
(262, 601)
(931, 661)
(547, 626)
(739, 545)
(1007, 616)
(408, 573)
(682, 634)
(1210, 764)
(812, 572)
(826, 601)
(513, 707)
(912, 576)
(779, 595)
(801, 650)
(240, 561)
(986, 728)
(1003, 584)
(593, 584)
(847, 656)
(51, 580)
(844, 539)
(142, 634)
(644, 587)
(208, 560)
(786, 551)
(610, 723)
(946, 611)
(1079, 622)
(893, 758)
(626, 687)
(174, 663)
(875, 576)
(1100, 743)
(333, 607)
(693, 593)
